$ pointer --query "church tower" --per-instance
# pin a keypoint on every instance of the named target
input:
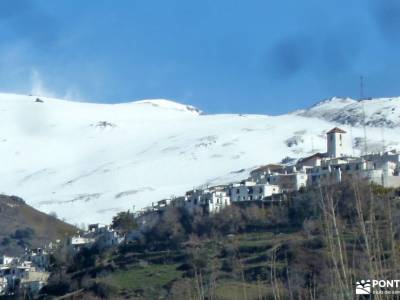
(335, 143)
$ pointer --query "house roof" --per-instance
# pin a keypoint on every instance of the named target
(336, 129)
(316, 155)
(272, 167)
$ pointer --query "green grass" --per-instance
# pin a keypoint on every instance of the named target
(148, 277)
(235, 290)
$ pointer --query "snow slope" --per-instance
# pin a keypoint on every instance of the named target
(87, 161)
(379, 112)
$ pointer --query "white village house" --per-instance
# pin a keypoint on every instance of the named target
(252, 191)
(100, 235)
(211, 199)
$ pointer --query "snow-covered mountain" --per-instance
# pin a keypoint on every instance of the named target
(87, 161)
(379, 112)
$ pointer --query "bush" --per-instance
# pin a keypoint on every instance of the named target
(21, 234)
(304, 206)
(6, 241)
(86, 258)
(102, 290)
(56, 288)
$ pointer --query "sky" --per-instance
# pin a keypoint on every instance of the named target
(223, 56)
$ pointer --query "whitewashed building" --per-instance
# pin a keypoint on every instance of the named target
(161, 205)
(78, 242)
(210, 200)
(289, 182)
(101, 235)
(252, 191)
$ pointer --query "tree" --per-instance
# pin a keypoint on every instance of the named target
(124, 222)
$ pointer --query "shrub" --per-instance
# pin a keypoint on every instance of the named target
(6, 241)
(102, 290)
(21, 234)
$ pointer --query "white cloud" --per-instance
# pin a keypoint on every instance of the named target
(38, 88)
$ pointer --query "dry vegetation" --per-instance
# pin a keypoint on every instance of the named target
(23, 226)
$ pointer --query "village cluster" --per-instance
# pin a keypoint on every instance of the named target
(268, 183)
(273, 181)
(28, 273)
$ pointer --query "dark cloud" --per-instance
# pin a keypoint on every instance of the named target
(324, 54)
(387, 16)
(290, 56)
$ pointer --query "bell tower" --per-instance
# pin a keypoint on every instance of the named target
(335, 142)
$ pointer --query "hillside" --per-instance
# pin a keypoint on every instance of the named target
(380, 112)
(22, 225)
(86, 161)
(313, 246)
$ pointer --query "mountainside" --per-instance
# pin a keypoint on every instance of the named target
(380, 112)
(22, 225)
(87, 161)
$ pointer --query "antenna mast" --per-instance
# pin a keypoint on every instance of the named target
(361, 87)
(363, 110)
